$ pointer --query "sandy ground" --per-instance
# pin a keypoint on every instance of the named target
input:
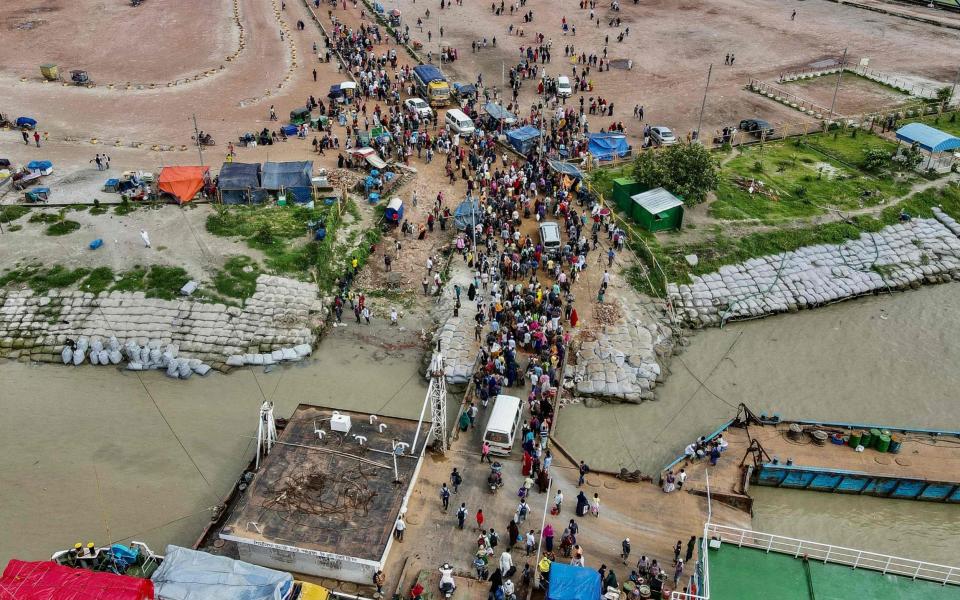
(856, 95)
(115, 42)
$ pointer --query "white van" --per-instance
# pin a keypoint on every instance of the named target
(458, 122)
(503, 424)
(550, 237)
(563, 87)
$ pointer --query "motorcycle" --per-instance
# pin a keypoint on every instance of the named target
(495, 479)
(447, 584)
(205, 139)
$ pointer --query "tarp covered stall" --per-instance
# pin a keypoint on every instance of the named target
(467, 215)
(498, 114)
(45, 167)
(183, 183)
(523, 139)
(394, 211)
(27, 122)
(239, 183)
(929, 138)
(573, 583)
(370, 156)
(607, 146)
(293, 177)
(657, 210)
(47, 580)
(566, 169)
(192, 575)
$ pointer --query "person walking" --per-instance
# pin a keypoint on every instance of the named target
(366, 314)
(691, 544)
(793, 16)
(531, 542)
(399, 528)
(677, 549)
(595, 505)
(480, 519)
(625, 550)
(506, 562)
(548, 537)
(557, 501)
(456, 479)
(677, 573)
(314, 74)
(584, 469)
(514, 532)
(36, 137)
(461, 515)
(145, 237)
(26, 136)
(523, 509)
(378, 578)
(485, 452)
(445, 496)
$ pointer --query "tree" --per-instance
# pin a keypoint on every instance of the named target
(944, 94)
(685, 170)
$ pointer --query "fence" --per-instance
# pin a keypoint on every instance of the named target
(905, 85)
(838, 555)
(792, 100)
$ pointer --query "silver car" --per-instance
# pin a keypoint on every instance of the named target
(418, 107)
(662, 136)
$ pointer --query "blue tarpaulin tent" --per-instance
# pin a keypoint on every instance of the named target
(523, 139)
(498, 114)
(26, 122)
(239, 183)
(929, 138)
(293, 177)
(573, 583)
(607, 146)
(39, 165)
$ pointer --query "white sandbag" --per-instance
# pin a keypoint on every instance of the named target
(185, 370)
(132, 351)
(134, 366)
(96, 345)
(82, 343)
(303, 350)
(235, 360)
(155, 355)
(94, 358)
(78, 356)
(248, 359)
(67, 355)
(194, 362)
(202, 369)
(289, 354)
(115, 357)
(166, 357)
(172, 350)
(258, 360)
(103, 357)
(277, 355)
(113, 343)
(172, 369)
(268, 359)
(145, 356)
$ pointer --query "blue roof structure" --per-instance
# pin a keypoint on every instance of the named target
(929, 138)
(573, 583)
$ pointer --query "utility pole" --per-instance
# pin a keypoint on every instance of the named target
(843, 62)
(196, 134)
(703, 105)
(953, 90)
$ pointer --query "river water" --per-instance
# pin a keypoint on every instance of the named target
(93, 454)
(882, 359)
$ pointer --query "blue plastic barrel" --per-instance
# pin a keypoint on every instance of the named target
(96, 244)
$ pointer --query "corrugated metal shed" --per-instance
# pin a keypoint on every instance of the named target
(657, 200)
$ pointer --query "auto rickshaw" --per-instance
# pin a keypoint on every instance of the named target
(299, 116)
(50, 72)
(394, 17)
(319, 122)
(80, 77)
(464, 92)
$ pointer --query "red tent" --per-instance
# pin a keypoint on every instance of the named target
(49, 581)
(183, 183)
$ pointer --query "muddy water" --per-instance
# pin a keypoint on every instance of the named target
(91, 453)
(886, 359)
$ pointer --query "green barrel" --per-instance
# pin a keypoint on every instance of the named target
(855, 438)
(896, 440)
(875, 436)
(866, 439)
(883, 443)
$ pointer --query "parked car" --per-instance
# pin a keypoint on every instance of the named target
(662, 136)
(418, 107)
(757, 127)
(563, 87)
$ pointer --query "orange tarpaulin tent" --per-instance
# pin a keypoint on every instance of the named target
(183, 183)
(49, 581)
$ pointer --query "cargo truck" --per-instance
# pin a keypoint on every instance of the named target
(432, 85)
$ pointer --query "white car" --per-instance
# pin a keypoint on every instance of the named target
(563, 87)
(418, 107)
(662, 136)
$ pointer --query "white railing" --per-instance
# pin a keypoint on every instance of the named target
(838, 555)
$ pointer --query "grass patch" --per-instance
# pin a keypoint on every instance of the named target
(62, 227)
(12, 213)
(164, 282)
(238, 278)
(41, 279)
(125, 208)
(806, 176)
(130, 281)
(99, 210)
(13, 228)
(44, 217)
(78, 207)
(99, 280)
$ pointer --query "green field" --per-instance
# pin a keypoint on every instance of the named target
(805, 177)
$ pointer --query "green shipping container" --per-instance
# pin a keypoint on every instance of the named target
(623, 189)
(657, 210)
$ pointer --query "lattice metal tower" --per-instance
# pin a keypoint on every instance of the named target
(437, 394)
(266, 431)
